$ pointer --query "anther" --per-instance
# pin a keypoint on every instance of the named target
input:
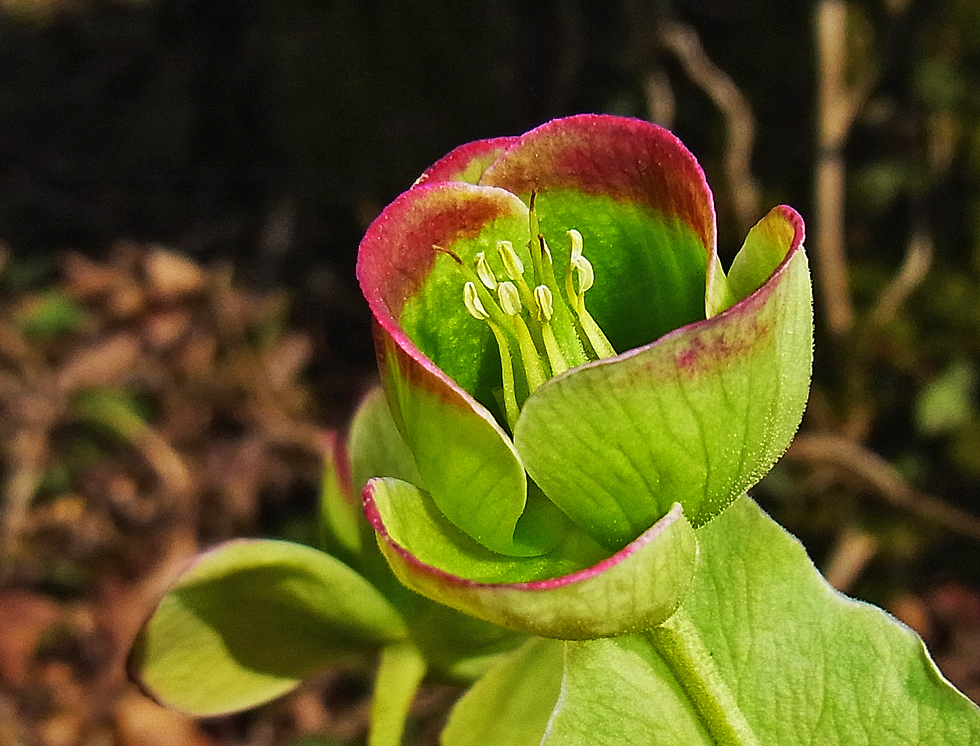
(510, 298)
(584, 274)
(510, 303)
(473, 303)
(484, 272)
(545, 303)
(578, 279)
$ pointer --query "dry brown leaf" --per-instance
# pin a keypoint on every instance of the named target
(104, 363)
(170, 276)
(163, 329)
(24, 618)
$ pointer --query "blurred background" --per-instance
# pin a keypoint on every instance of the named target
(183, 185)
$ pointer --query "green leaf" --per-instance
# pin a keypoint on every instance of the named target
(946, 403)
(511, 704)
(457, 647)
(762, 651)
(250, 619)
(696, 418)
(113, 411)
(49, 314)
(808, 665)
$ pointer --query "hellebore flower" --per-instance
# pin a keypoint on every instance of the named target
(579, 383)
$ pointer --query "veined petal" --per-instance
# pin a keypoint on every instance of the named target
(627, 159)
(696, 417)
(764, 250)
(635, 588)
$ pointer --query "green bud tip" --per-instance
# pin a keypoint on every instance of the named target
(513, 265)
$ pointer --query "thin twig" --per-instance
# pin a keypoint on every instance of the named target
(838, 105)
(661, 104)
(852, 553)
(915, 267)
(885, 479)
(684, 43)
(833, 124)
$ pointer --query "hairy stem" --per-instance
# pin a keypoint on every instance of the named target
(678, 643)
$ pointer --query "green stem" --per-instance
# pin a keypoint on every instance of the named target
(533, 369)
(555, 357)
(678, 643)
(400, 672)
(511, 407)
(594, 335)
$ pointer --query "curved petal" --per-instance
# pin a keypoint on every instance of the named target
(641, 202)
(627, 159)
(765, 249)
(636, 588)
(439, 364)
(696, 417)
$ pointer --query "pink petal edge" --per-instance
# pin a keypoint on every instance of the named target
(453, 166)
(651, 534)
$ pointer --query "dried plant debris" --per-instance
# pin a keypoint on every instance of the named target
(148, 406)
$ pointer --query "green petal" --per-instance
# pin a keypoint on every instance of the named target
(456, 646)
(375, 447)
(640, 201)
(465, 459)
(415, 293)
(555, 595)
(628, 160)
(438, 364)
(340, 508)
(764, 250)
(695, 418)
(649, 268)
(250, 619)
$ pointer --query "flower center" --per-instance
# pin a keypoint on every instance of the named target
(541, 329)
